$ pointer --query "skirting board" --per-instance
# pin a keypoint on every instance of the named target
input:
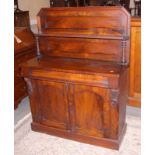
(113, 144)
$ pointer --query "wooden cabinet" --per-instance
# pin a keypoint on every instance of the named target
(78, 85)
(135, 64)
(24, 50)
(83, 107)
(85, 104)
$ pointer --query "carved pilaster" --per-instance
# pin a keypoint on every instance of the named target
(123, 44)
(38, 48)
(114, 94)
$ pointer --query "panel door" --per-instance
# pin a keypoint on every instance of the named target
(52, 97)
(90, 110)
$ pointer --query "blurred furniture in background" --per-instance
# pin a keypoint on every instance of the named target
(136, 10)
(62, 3)
(135, 63)
(21, 18)
(125, 3)
(59, 3)
(24, 49)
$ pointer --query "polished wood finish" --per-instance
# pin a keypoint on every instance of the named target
(22, 52)
(135, 64)
(78, 83)
(108, 28)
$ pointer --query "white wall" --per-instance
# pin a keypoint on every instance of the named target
(33, 6)
(131, 3)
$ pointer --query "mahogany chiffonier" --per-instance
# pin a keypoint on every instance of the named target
(78, 84)
(24, 49)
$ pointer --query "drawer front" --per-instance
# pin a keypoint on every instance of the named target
(98, 80)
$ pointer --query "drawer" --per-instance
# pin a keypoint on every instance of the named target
(90, 79)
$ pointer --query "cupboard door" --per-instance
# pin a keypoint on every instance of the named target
(53, 103)
(90, 110)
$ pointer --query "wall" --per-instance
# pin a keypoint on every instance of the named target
(131, 3)
(33, 6)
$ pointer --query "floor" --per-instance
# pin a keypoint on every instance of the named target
(22, 110)
(28, 142)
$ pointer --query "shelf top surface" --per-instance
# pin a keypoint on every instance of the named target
(83, 66)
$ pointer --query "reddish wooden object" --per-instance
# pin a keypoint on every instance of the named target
(23, 51)
(78, 83)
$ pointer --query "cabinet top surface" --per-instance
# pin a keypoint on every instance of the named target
(83, 66)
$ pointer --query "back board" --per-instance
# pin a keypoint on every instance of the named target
(100, 33)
